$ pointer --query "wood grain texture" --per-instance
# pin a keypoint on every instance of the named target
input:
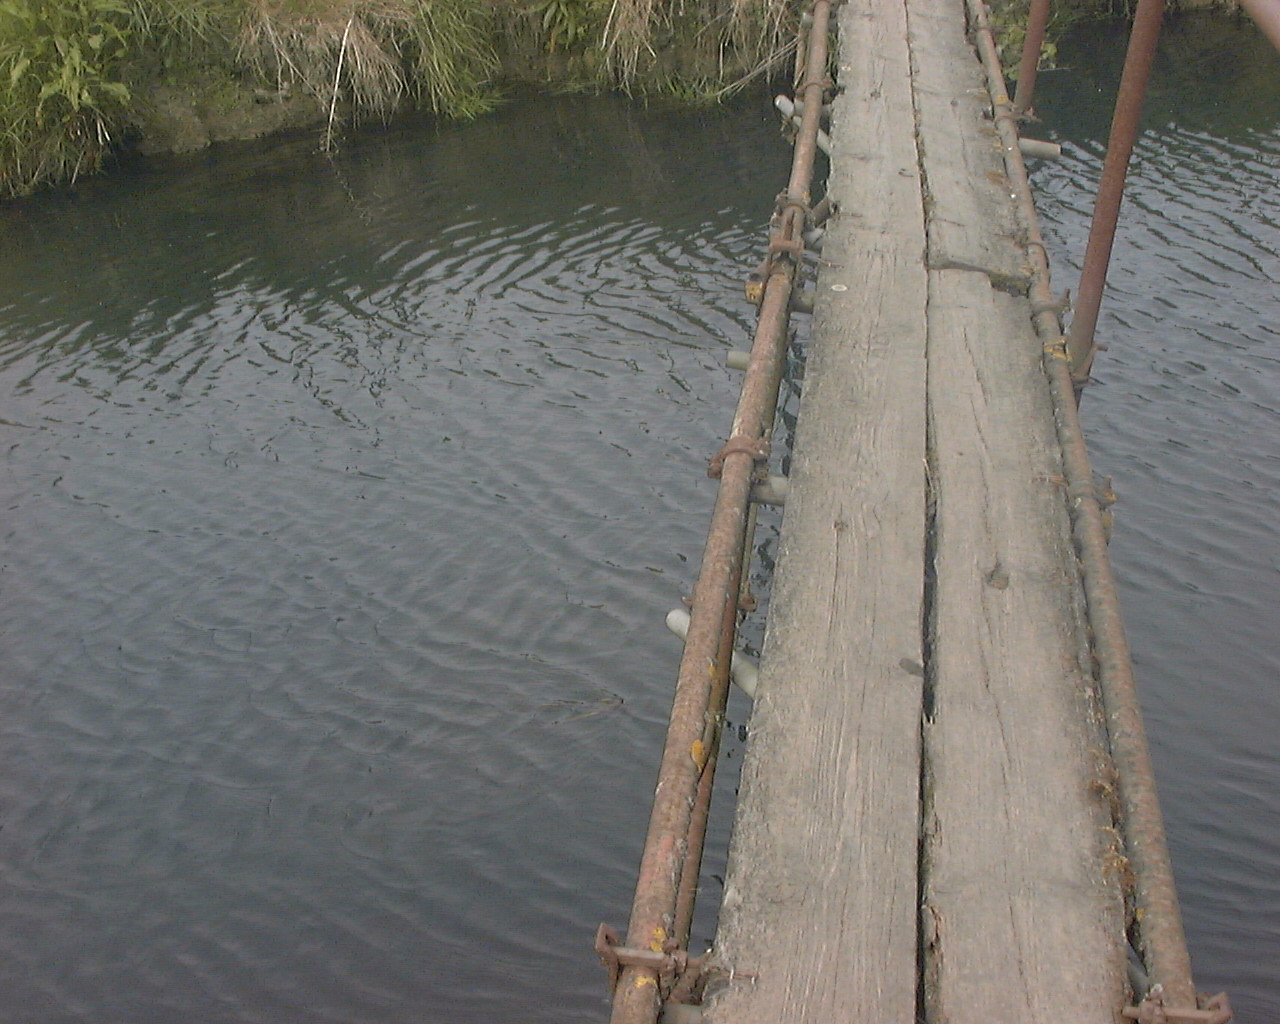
(971, 221)
(821, 899)
(1022, 916)
(1022, 911)
(924, 806)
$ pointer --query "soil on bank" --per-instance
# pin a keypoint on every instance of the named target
(88, 78)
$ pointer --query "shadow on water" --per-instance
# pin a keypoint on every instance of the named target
(344, 502)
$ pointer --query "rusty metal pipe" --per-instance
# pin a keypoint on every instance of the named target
(1266, 14)
(1124, 129)
(695, 720)
(1163, 941)
(1037, 21)
(687, 896)
(691, 869)
(668, 868)
(810, 92)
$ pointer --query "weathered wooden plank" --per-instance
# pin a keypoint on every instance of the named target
(1022, 915)
(971, 222)
(1022, 911)
(819, 918)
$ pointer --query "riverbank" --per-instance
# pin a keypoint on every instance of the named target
(89, 78)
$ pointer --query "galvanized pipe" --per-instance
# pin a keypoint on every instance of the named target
(1037, 21)
(1162, 939)
(1124, 129)
(1037, 149)
(789, 110)
(1266, 13)
(662, 906)
(821, 212)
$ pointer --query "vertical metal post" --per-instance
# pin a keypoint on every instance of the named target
(1037, 20)
(1267, 15)
(1102, 233)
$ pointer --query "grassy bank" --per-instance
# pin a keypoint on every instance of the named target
(81, 76)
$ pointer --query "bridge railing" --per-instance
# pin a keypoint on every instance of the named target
(1164, 981)
(1143, 39)
(652, 970)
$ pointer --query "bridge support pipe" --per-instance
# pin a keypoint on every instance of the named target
(1037, 22)
(1266, 13)
(662, 906)
(1143, 37)
(1162, 940)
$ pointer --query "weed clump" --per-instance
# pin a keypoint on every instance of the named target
(372, 55)
(64, 97)
(76, 73)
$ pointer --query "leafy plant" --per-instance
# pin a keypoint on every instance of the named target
(569, 24)
(62, 94)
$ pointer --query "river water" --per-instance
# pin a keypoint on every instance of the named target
(1185, 418)
(343, 500)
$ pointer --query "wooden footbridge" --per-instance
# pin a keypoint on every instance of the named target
(947, 811)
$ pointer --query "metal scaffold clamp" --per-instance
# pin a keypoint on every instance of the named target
(756, 447)
(781, 239)
(677, 971)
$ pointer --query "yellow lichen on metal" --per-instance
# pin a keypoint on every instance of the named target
(658, 943)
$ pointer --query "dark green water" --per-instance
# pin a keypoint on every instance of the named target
(343, 505)
(343, 501)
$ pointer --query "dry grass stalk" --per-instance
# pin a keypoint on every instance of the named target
(375, 52)
(751, 37)
(761, 31)
(331, 50)
(628, 37)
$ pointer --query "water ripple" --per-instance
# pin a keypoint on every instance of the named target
(344, 502)
(1185, 418)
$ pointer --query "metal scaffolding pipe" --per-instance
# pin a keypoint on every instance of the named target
(1159, 921)
(1124, 129)
(1037, 21)
(1038, 149)
(701, 685)
(1266, 13)
(663, 902)
(793, 112)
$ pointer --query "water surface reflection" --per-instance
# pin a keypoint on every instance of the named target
(1186, 418)
(343, 501)
(343, 505)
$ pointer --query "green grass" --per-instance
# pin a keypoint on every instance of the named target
(62, 92)
(72, 71)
